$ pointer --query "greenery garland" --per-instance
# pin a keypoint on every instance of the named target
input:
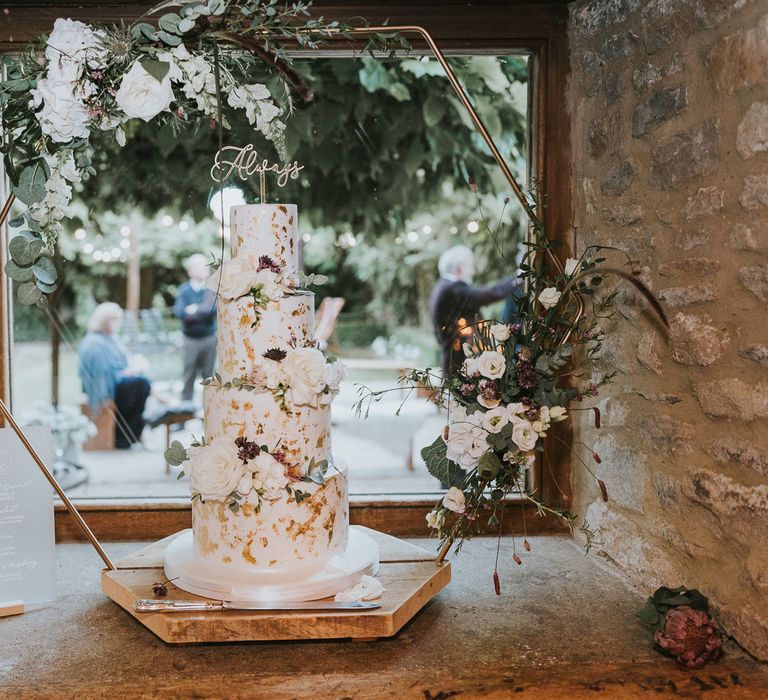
(81, 79)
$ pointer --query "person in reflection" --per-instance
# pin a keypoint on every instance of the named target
(108, 377)
(196, 307)
(455, 304)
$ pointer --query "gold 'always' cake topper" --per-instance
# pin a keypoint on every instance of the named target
(246, 161)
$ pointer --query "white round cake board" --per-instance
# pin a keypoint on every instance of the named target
(220, 582)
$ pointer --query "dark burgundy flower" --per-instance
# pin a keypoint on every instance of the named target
(266, 263)
(691, 636)
(275, 354)
(246, 450)
(466, 389)
(489, 390)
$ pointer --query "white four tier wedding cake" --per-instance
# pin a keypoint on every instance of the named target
(270, 518)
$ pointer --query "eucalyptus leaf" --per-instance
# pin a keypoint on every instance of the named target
(16, 221)
(45, 270)
(185, 25)
(25, 248)
(489, 464)
(28, 293)
(46, 288)
(169, 22)
(157, 69)
(31, 187)
(17, 273)
(176, 454)
(170, 39)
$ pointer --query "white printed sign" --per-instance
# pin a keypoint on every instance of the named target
(27, 544)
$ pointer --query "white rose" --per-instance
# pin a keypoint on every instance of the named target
(454, 500)
(500, 332)
(272, 374)
(549, 297)
(557, 414)
(495, 419)
(233, 279)
(214, 471)
(269, 476)
(491, 364)
(269, 284)
(143, 96)
(435, 519)
(62, 114)
(305, 371)
(524, 436)
(334, 374)
(571, 266)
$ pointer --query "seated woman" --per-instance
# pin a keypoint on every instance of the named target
(106, 376)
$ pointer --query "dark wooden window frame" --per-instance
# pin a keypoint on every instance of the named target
(538, 29)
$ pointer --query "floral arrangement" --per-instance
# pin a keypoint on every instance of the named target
(511, 388)
(683, 626)
(243, 472)
(299, 376)
(181, 70)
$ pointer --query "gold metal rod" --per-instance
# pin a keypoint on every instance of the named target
(444, 551)
(33, 452)
(52, 481)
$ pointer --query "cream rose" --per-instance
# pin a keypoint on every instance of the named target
(334, 375)
(454, 500)
(233, 279)
(549, 297)
(524, 436)
(304, 369)
(501, 332)
(495, 419)
(214, 471)
(491, 364)
(269, 476)
(571, 266)
(141, 95)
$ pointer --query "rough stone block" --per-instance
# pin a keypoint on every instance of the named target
(617, 46)
(689, 266)
(757, 568)
(752, 237)
(733, 398)
(758, 352)
(686, 155)
(647, 75)
(695, 341)
(665, 22)
(706, 201)
(598, 138)
(688, 240)
(623, 215)
(675, 297)
(755, 192)
(667, 491)
(752, 134)
(738, 61)
(733, 450)
(597, 16)
(647, 352)
(748, 623)
(661, 105)
(624, 471)
(666, 434)
(755, 279)
(611, 88)
(618, 179)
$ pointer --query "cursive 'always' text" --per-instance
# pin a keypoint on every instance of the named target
(246, 162)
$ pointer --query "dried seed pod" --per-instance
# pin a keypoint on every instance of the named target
(596, 457)
(527, 545)
(603, 490)
(496, 582)
(516, 558)
(445, 432)
(597, 416)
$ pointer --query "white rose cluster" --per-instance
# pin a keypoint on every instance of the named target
(305, 375)
(60, 96)
(141, 95)
(237, 277)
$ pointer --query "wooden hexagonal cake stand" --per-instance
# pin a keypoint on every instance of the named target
(410, 575)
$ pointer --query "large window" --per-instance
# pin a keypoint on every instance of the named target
(387, 149)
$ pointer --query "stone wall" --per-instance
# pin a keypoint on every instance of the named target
(669, 108)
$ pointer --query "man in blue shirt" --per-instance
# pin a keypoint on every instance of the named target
(196, 307)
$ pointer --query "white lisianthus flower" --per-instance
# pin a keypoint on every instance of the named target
(495, 419)
(572, 266)
(516, 412)
(142, 96)
(501, 332)
(549, 297)
(334, 374)
(557, 414)
(524, 436)
(467, 350)
(305, 370)
(540, 428)
(62, 114)
(269, 476)
(491, 364)
(214, 471)
(435, 519)
(466, 441)
(454, 500)
(470, 367)
(488, 403)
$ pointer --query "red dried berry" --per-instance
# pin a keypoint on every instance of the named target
(445, 433)
(603, 490)
(597, 416)
(596, 457)
(496, 582)
(516, 558)
(527, 545)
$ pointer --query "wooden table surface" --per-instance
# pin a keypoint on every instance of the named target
(564, 628)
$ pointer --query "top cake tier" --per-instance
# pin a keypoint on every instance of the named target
(266, 229)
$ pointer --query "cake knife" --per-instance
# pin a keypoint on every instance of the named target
(149, 605)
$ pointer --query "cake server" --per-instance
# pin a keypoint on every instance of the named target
(149, 605)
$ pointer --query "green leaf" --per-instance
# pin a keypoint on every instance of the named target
(438, 464)
(170, 39)
(185, 25)
(649, 614)
(143, 29)
(16, 221)
(25, 248)
(434, 110)
(157, 69)
(169, 22)
(28, 293)
(18, 274)
(176, 454)
(46, 288)
(45, 270)
(31, 187)
(489, 464)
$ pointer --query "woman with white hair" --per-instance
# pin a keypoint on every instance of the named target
(106, 377)
(455, 304)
